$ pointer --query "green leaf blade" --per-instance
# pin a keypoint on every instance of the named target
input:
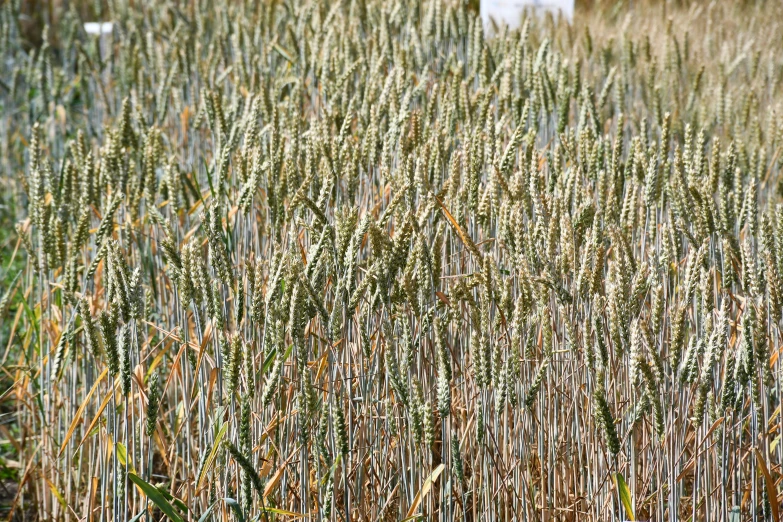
(156, 497)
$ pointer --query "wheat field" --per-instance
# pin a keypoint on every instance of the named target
(372, 260)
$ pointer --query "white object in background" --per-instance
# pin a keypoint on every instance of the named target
(103, 30)
(98, 27)
(509, 12)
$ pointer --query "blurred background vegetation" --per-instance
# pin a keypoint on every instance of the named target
(37, 13)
